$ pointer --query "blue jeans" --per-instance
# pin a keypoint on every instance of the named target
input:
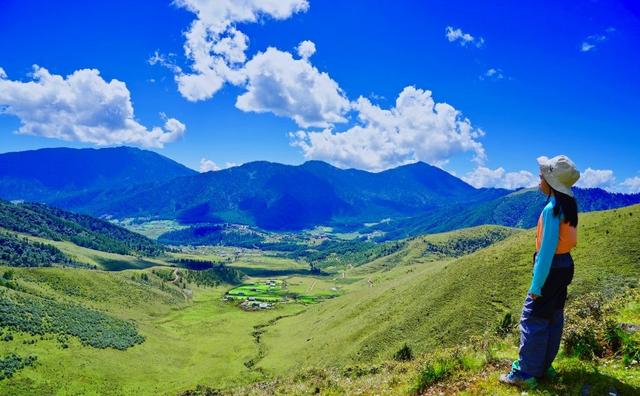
(543, 319)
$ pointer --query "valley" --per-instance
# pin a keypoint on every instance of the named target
(234, 289)
(431, 292)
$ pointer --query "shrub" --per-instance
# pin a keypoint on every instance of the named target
(12, 363)
(36, 315)
(506, 325)
(590, 332)
(585, 330)
(434, 371)
(404, 354)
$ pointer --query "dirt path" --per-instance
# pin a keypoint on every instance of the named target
(312, 286)
(176, 280)
(257, 332)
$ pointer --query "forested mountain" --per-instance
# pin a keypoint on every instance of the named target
(278, 197)
(43, 221)
(408, 200)
(518, 209)
(52, 173)
(17, 251)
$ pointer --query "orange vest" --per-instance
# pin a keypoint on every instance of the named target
(567, 240)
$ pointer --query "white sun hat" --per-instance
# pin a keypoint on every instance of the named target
(560, 172)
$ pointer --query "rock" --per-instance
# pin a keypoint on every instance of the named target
(630, 327)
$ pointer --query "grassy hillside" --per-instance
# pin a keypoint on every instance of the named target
(55, 224)
(18, 251)
(164, 330)
(433, 303)
(186, 341)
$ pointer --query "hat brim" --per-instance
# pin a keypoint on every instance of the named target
(555, 184)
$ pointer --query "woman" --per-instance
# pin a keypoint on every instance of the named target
(543, 312)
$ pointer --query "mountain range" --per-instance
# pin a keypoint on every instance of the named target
(125, 182)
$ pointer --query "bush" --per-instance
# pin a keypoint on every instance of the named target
(12, 363)
(585, 329)
(403, 354)
(590, 332)
(434, 371)
(40, 316)
(506, 325)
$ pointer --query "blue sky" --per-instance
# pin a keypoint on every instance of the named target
(541, 78)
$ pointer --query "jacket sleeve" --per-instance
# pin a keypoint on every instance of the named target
(548, 245)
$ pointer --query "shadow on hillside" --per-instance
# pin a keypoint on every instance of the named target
(265, 273)
(581, 382)
(120, 265)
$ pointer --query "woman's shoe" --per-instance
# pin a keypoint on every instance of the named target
(518, 378)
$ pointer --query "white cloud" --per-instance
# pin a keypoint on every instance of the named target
(600, 178)
(306, 48)
(592, 41)
(499, 178)
(206, 165)
(3, 74)
(167, 61)
(81, 107)
(492, 74)
(461, 37)
(275, 81)
(230, 164)
(278, 83)
(585, 47)
(416, 129)
(215, 48)
(631, 185)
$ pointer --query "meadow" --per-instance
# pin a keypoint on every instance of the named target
(433, 296)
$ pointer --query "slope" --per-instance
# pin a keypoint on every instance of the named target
(52, 173)
(55, 224)
(435, 303)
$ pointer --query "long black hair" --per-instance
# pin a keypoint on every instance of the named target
(567, 205)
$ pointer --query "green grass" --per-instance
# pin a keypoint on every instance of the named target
(98, 259)
(343, 345)
(205, 340)
(470, 368)
(152, 228)
(434, 303)
(297, 289)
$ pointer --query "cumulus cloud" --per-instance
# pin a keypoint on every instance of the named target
(306, 48)
(631, 185)
(206, 165)
(215, 48)
(278, 83)
(500, 178)
(3, 74)
(415, 129)
(464, 39)
(600, 178)
(591, 42)
(81, 107)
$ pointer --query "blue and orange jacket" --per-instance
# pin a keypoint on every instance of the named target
(553, 236)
